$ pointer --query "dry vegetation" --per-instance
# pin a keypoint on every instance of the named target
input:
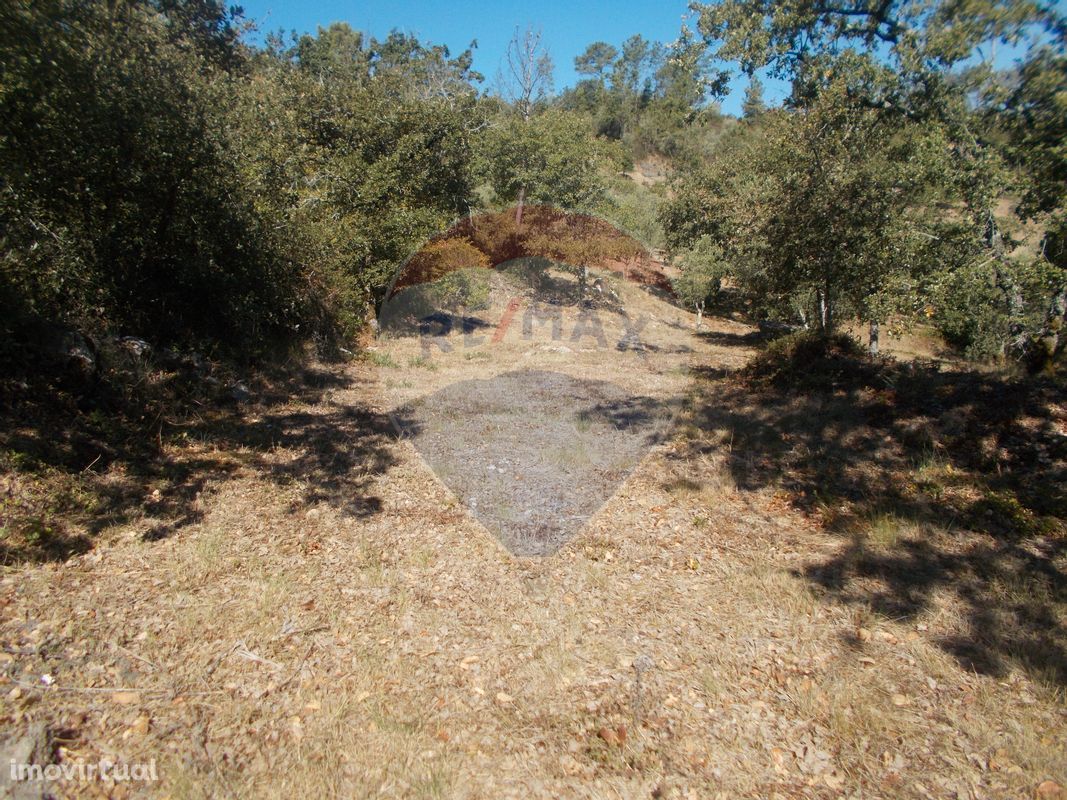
(828, 594)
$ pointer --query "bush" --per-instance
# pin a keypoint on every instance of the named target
(123, 208)
(812, 361)
(636, 209)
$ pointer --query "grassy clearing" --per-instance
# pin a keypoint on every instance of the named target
(731, 624)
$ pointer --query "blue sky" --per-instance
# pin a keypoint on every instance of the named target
(567, 26)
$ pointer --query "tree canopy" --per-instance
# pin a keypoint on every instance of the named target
(160, 174)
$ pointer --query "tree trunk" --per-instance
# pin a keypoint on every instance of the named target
(700, 314)
(519, 206)
(826, 319)
(1013, 296)
(874, 337)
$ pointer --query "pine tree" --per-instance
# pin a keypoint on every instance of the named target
(752, 106)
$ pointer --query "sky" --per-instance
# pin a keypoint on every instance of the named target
(568, 27)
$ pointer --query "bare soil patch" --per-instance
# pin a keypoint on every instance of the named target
(533, 454)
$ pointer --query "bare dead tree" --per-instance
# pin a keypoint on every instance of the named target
(527, 78)
(525, 81)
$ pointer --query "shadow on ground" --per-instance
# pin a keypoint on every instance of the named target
(945, 487)
(78, 456)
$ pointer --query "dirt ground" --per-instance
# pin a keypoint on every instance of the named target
(332, 621)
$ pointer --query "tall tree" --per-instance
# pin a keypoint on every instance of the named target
(927, 61)
(753, 105)
(596, 61)
(526, 82)
(815, 215)
(551, 158)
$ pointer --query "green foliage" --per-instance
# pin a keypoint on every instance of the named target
(919, 38)
(703, 268)
(752, 106)
(551, 158)
(653, 97)
(466, 288)
(161, 179)
(930, 63)
(966, 308)
(969, 307)
(1034, 115)
(817, 208)
(810, 361)
(636, 209)
(119, 201)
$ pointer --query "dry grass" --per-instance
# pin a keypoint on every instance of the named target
(336, 625)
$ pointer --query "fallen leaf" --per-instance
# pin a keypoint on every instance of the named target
(834, 780)
(504, 698)
(1050, 790)
(609, 736)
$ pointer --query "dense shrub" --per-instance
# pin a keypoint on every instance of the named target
(159, 178)
(119, 200)
(811, 361)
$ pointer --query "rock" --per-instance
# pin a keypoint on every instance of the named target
(643, 663)
(74, 351)
(80, 353)
(239, 392)
(33, 747)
